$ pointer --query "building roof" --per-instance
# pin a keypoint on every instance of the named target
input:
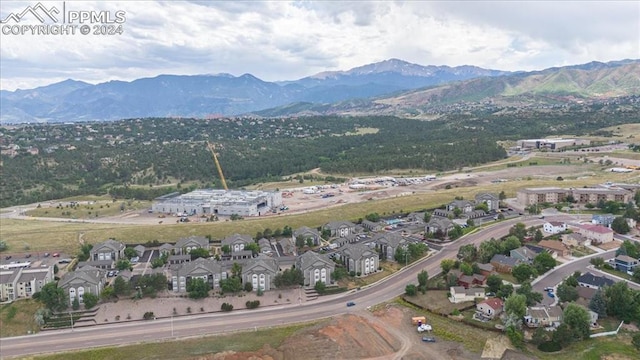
(262, 261)
(591, 279)
(494, 303)
(553, 245)
(304, 230)
(357, 251)
(392, 239)
(310, 258)
(333, 225)
(586, 292)
(597, 229)
(110, 244)
(199, 240)
(626, 258)
(485, 267)
(557, 223)
(505, 260)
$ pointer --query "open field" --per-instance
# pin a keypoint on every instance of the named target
(189, 348)
(93, 209)
(64, 236)
(17, 318)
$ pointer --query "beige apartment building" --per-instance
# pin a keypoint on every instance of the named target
(19, 283)
(554, 195)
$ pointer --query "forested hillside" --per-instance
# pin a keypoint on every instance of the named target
(42, 162)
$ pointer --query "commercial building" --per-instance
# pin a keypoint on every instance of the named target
(218, 202)
(551, 144)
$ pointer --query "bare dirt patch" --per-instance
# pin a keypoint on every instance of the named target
(385, 333)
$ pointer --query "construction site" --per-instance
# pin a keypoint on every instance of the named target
(218, 201)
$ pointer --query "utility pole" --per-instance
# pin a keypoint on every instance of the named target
(71, 320)
(171, 325)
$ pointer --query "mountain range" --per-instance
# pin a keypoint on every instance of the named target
(389, 87)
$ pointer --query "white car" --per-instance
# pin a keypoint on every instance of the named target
(424, 327)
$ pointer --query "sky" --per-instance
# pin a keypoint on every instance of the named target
(288, 40)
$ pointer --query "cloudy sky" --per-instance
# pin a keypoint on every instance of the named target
(282, 40)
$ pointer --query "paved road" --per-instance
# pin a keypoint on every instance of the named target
(116, 334)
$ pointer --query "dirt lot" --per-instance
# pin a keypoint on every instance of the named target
(382, 334)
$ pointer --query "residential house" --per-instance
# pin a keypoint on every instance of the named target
(586, 293)
(21, 282)
(626, 263)
(108, 250)
(575, 239)
(260, 272)
(388, 243)
(210, 270)
(523, 254)
(593, 281)
(490, 308)
(492, 201)
(437, 225)
(469, 281)
(340, 228)
(84, 280)
(237, 242)
(603, 219)
(597, 234)
(360, 259)
(458, 294)
(288, 246)
(307, 233)
(185, 245)
(554, 227)
(486, 269)
(543, 316)
(504, 264)
(315, 268)
(555, 247)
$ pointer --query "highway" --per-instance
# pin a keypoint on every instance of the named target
(324, 307)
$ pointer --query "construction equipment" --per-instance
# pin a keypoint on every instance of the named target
(215, 159)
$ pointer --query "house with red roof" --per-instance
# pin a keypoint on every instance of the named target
(598, 234)
(490, 308)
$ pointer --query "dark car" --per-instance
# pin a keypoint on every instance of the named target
(351, 303)
(27, 256)
(551, 294)
(7, 257)
(428, 339)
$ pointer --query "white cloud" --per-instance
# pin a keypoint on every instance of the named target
(277, 40)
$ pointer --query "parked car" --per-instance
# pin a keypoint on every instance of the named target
(551, 294)
(46, 254)
(55, 255)
(548, 289)
(27, 256)
(351, 303)
(428, 339)
(7, 257)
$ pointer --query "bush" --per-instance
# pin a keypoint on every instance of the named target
(549, 346)
(252, 304)
(148, 315)
(226, 307)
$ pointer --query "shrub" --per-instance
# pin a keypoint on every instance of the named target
(252, 304)
(148, 315)
(226, 307)
(549, 346)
